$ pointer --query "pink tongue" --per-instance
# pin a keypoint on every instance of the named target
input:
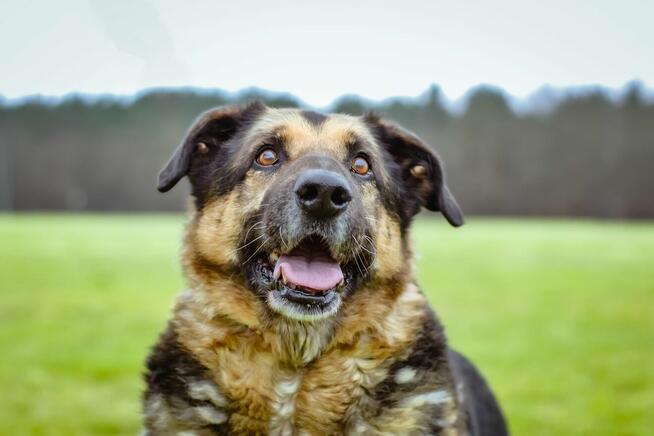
(318, 274)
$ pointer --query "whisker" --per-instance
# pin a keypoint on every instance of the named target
(282, 238)
(365, 269)
(356, 260)
(369, 239)
(372, 260)
(260, 222)
(257, 250)
(245, 245)
(373, 253)
(361, 246)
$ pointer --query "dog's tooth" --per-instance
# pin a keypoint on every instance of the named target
(273, 257)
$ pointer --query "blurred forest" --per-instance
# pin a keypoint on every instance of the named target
(585, 155)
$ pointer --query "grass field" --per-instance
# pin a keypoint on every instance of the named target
(559, 315)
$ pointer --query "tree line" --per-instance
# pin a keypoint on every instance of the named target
(587, 155)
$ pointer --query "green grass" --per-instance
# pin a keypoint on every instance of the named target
(559, 315)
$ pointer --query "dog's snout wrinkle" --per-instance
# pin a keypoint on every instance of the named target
(322, 193)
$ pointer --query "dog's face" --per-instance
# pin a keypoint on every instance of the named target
(306, 208)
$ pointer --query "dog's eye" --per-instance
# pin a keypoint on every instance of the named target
(267, 157)
(360, 166)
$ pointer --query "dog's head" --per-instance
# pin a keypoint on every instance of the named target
(305, 208)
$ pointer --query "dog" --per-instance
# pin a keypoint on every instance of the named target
(303, 315)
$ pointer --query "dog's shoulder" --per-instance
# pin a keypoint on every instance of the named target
(418, 391)
(179, 392)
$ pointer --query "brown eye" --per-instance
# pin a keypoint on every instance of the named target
(267, 157)
(360, 166)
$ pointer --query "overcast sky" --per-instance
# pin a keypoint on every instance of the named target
(321, 50)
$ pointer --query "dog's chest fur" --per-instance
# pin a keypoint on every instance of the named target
(317, 379)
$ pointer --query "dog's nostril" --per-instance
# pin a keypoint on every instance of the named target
(322, 194)
(307, 192)
(341, 196)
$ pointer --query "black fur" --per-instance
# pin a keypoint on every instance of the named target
(170, 369)
(209, 174)
(431, 357)
(315, 118)
(483, 414)
(427, 357)
(407, 150)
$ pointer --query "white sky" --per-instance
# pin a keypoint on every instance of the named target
(321, 50)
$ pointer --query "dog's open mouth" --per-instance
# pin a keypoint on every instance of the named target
(305, 282)
(309, 267)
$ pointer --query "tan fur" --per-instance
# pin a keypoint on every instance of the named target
(249, 363)
(288, 377)
(221, 221)
(391, 253)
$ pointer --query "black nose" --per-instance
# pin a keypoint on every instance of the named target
(322, 193)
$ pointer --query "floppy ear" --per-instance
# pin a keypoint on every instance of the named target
(420, 168)
(205, 136)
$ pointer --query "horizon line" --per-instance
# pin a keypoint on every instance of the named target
(519, 104)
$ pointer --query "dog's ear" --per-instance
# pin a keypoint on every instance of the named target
(419, 167)
(205, 136)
